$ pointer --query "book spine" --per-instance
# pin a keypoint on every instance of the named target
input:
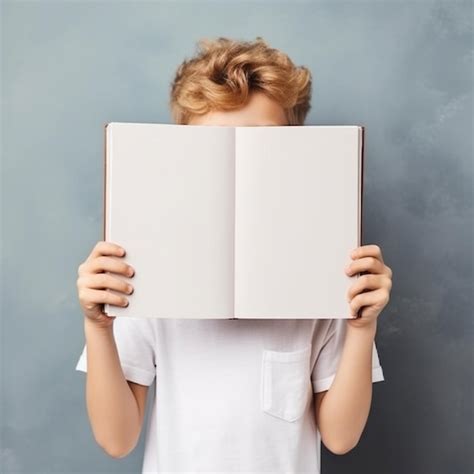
(235, 227)
(361, 196)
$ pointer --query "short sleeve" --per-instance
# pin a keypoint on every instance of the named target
(135, 341)
(327, 361)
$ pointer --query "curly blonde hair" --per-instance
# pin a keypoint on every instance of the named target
(224, 72)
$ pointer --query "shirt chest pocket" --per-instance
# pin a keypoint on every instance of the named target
(285, 383)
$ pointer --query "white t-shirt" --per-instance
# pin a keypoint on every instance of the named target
(232, 395)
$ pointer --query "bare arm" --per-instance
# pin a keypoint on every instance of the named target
(115, 406)
(342, 411)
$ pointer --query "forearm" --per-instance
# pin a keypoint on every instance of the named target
(345, 408)
(111, 405)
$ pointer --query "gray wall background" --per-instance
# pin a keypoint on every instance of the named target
(402, 68)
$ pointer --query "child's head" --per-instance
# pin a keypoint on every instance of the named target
(243, 83)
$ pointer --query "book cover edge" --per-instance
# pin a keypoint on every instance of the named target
(106, 307)
(361, 195)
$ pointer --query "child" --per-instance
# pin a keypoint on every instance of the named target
(253, 396)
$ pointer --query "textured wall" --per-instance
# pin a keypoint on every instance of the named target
(403, 69)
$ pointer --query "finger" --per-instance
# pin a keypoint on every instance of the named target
(378, 298)
(366, 264)
(367, 282)
(104, 281)
(107, 264)
(107, 248)
(91, 296)
(370, 250)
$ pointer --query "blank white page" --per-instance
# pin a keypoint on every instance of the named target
(170, 204)
(297, 219)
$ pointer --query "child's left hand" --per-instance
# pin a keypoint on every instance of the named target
(378, 278)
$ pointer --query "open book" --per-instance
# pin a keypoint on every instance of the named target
(234, 222)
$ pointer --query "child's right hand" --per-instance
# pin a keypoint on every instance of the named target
(92, 282)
